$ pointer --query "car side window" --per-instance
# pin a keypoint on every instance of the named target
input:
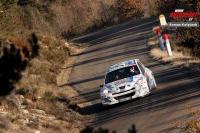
(141, 67)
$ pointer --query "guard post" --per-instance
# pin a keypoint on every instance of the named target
(160, 39)
(169, 51)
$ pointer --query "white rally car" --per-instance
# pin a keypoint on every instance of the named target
(125, 81)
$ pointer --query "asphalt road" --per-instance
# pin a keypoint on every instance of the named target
(152, 114)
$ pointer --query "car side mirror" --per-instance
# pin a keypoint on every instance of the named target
(101, 85)
(145, 73)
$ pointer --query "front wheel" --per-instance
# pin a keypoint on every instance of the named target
(106, 107)
(154, 83)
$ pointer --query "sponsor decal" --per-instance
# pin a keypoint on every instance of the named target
(121, 65)
(126, 63)
(142, 83)
(145, 90)
(125, 80)
(103, 96)
(113, 67)
(130, 62)
(131, 79)
(116, 83)
(140, 79)
(122, 90)
(125, 99)
(110, 87)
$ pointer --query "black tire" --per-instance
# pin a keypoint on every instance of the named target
(154, 83)
(106, 107)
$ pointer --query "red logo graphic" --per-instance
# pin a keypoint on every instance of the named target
(180, 14)
(183, 14)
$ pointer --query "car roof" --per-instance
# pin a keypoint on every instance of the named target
(122, 65)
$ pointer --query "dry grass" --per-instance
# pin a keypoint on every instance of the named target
(177, 59)
(4, 123)
(153, 8)
(38, 89)
(192, 125)
(52, 127)
(49, 97)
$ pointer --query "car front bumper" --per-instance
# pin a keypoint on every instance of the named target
(136, 92)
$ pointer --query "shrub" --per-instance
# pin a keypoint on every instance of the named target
(22, 91)
(192, 125)
(55, 55)
(51, 126)
(50, 78)
(4, 123)
(24, 102)
(49, 97)
(34, 124)
(38, 67)
(59, 113)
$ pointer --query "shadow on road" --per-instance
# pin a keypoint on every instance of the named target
(175, 86)
(177, 90)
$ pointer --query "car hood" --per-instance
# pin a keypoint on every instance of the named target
(122, 84)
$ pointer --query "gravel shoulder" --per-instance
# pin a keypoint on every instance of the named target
(63, 77)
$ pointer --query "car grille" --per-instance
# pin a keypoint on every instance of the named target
(122, 92)
(106, 100)
(124, 96)
(122, 87)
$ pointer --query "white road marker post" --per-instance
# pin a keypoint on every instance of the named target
(160, 39)
(169, 51)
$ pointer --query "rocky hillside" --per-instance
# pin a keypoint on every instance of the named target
(64, 18)
(36, 59)
(37, 103)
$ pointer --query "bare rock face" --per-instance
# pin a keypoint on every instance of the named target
(21, 96)
(3, 113)
(22, 106)
(37, 131)
(25, 112)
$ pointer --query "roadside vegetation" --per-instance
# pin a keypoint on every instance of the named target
(190, 126)
(64, 18)
(186, 40)
(36, 59)
(185, 44)
(30, 98)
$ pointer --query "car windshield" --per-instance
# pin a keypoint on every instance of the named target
(121, 73)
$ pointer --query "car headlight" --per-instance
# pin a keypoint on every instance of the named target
(105, 91)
